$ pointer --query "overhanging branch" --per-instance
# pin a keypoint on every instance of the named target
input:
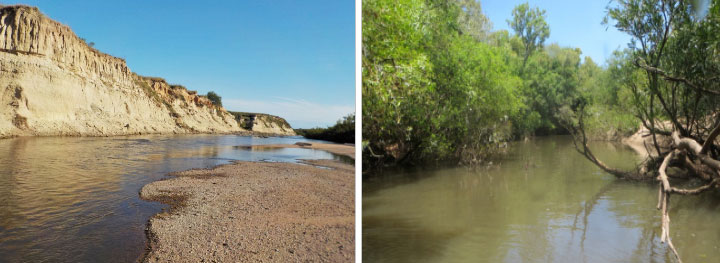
(669, 77)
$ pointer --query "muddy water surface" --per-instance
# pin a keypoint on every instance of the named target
(76, 199)
(543, 202)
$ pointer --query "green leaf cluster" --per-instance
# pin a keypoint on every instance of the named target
(437, 85)
(431, 89)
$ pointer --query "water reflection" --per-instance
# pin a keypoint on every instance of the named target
(76, 199)
(542, 203)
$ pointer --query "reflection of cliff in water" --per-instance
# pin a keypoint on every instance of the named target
(77, 198)
(46, 184)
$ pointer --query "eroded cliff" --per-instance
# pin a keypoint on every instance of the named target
(263, 123)
(53, 83)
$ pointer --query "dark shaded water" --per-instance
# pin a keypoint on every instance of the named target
(65, 199)
(542, 203)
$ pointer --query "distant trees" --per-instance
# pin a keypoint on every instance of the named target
(472, 21)
(216, 99)
(529, 24)
(342, 132)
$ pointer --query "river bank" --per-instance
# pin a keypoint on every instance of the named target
(642, 141)
(255, 211)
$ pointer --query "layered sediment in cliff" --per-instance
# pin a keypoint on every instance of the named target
(53, 83)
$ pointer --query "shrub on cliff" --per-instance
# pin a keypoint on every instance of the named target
(216, 99)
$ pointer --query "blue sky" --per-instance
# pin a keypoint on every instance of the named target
(572, 24)
(294, 59)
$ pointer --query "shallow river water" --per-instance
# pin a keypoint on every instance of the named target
(65, 199)
(543, 202)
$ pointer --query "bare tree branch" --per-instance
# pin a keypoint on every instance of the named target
(667, 76)
(709, 141)
(694, 147)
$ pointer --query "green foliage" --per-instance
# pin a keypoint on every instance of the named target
(342, 132)
(437, 85)
(429, 91)
(216, 99)
(472, 21)
(529, 24)
(611, 103)
(244, 119)
(551, 81)
(609, 123)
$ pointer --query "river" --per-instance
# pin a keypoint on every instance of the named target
(75, 199)
(541, 202)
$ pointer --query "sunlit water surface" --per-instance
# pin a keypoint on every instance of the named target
(65, 199)
(543, 202)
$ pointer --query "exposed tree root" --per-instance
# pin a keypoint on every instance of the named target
(664, 203)
(687, 154)
(665, 189)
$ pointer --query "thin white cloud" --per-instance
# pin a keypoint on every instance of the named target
(298, 112)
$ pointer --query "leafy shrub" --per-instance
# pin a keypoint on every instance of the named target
(216, 99)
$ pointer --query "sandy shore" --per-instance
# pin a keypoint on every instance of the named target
(642, 143)
(255, 212)
(340, 149)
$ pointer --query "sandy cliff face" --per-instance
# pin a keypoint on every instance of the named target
(272, 124)
(53, 83)
(263, 123)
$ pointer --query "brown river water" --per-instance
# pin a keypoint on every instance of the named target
(542, 202)
(65, 199)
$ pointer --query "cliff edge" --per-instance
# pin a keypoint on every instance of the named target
(53, 83)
